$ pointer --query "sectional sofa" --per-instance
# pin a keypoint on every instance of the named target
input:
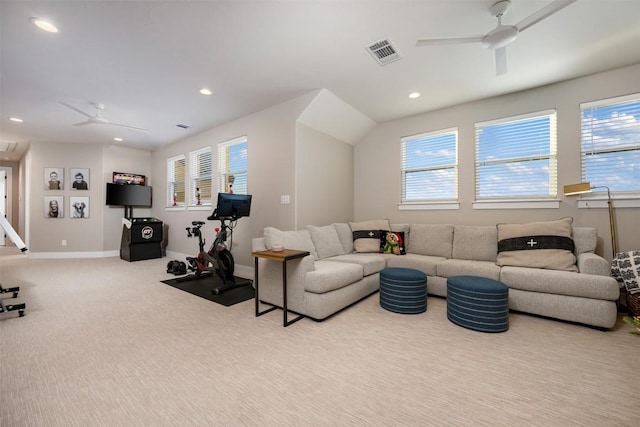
(562, 278)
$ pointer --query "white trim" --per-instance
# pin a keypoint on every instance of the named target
(520, 117)
(602, 203)
(174, 208)
(611, 101)
(431, 133)
(199, 208)
(517, 204)
(426, 206)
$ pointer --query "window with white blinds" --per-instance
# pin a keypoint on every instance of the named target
(610, 151)
(516, 158)
(176, 181)
(429, 170)
(200, 172)
(232, 166)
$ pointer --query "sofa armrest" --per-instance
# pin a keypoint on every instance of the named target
(589, 263)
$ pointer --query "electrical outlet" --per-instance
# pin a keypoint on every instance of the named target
(284, 200)
(64, 243)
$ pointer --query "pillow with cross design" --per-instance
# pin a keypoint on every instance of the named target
(543, 244)
(366, 234)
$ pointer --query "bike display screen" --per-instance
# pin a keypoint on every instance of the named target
(233, 205)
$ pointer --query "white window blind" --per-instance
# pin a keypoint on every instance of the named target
(516, 158)
(200, 171)
(610, 154)
(176, 181)
(232, 166)
(429, 167)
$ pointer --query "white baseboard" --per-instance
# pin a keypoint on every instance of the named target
(62, 255)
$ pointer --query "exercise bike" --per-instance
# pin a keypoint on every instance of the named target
(218, 258)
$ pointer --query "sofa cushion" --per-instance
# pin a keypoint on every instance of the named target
(326, 241)
(425, 263)
(366, 234)
(543, 244)
(475, 242)
(298, 239)
(371, 263)
(585, 239)
(345, 235)
(560, 283)
(431, 239)
(392, 242)
(464, 267)
(329, 276)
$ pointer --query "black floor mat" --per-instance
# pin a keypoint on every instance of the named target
(202, 286)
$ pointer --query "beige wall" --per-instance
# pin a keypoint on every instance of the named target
(102, 230)
(271, 136)
(382, 147)
(324, 178)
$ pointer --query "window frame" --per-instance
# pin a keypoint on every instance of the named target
(223, 171)
(172, 183)
(193, 179)
(505, 201)
(598, 199)
(435, 202)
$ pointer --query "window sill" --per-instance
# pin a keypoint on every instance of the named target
(199, 208)
(602, 203)
(174, 208)
(425, 206)
(517, 204)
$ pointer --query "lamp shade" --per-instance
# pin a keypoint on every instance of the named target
(571, 189)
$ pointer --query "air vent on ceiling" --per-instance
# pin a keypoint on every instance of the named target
(7, 146)
(183, 126)
(384, 51)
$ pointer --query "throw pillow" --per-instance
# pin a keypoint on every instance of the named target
(392, 242)
(326, 241)
(293, 239)
(366, 234)
(544, 244)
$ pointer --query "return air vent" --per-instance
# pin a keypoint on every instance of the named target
(383, 51)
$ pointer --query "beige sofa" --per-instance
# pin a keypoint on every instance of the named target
(333, 276)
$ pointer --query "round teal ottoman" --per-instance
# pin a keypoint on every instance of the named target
(478, 303)
(403, 290)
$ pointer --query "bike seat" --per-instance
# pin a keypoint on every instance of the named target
(197, 223)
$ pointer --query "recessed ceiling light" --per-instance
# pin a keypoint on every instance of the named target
(414, 95)
(44, 25)
(16, 119)
(117, 139)
(205, 91)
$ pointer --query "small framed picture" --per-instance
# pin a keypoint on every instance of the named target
(54, 178)
(79, 207)
(79, 178)
(53, 206)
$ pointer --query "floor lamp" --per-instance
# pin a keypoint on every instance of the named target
(585, 187)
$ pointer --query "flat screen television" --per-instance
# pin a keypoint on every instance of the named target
(128, 195)
(233, 205)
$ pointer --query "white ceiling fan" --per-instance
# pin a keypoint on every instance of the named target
(97, 119)
(498, 38)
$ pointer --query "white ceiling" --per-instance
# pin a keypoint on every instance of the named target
(146, 60)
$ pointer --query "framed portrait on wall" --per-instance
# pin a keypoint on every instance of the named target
(54, 178)
(79, 207)
(79, 178)
(53, 206)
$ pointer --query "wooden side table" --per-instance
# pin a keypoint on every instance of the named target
(280, 256)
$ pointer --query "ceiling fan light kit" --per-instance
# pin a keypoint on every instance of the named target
(502, 35)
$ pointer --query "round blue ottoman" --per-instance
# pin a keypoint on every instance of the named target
(403, 290)
(478, 303)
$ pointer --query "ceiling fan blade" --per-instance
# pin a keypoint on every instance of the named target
(83, 123)
(543, 13)
(501, 60)
(75, 109)
(449, 40)
(129, 127)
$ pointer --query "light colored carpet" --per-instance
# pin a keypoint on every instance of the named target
(104, 343)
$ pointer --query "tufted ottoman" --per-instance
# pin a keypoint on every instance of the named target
(403, 290)
(478, 303)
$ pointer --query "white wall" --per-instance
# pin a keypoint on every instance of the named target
(377, 188)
